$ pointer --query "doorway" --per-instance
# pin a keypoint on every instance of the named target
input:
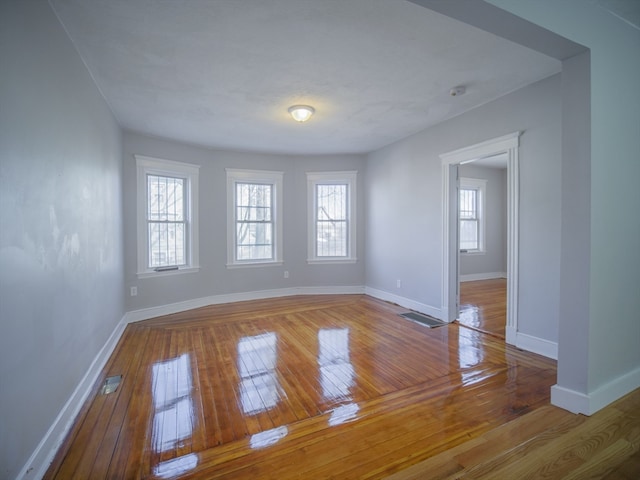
(508, 147)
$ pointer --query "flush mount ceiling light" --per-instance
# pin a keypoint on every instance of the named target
(301, 113)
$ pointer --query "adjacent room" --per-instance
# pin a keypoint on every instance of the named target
(319, 239)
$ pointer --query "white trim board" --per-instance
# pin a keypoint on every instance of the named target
(44, 453)
(537, 345)
(472, 277)
(590, 403)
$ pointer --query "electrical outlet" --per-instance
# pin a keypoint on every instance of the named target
(398, 283)
(134, 291)
(286, 274)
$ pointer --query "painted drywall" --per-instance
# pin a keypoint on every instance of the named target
(61, 273)
(214, 278)
(611, 330)
(494, 257)
(404, 203)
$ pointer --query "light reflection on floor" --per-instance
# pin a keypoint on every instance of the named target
(176, 467)
(173, 406)
(267, 438)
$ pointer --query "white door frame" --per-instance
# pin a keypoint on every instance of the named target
(450, 250)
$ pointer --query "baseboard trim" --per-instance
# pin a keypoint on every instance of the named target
(44, 453)
(588, 404)
(153, 312)
(405, 302)
(472, 277)
(537, 345)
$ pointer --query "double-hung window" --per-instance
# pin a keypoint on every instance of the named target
(254, 216)
(471, 214)
(167, 216)
(332, 217)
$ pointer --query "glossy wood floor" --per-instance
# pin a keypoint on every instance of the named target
(483, 306)
(298, 387)
(547, 443)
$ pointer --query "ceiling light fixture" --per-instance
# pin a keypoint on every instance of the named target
(301, 113)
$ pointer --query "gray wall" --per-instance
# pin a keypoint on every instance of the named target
(214, 278)
(494, 258)
(61, 273)
(404, 203)
(603, 333)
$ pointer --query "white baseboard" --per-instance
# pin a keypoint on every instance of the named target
(152, 312)
(405, 302)
(537, 345)
(590, 403)
(43, 455)
(472, 277)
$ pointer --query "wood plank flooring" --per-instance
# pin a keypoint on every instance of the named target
(297, 387)
(483, 306)
(547, 443)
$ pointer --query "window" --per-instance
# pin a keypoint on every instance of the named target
(332, 221)
(254, 215)
(167, 216)
(471, 214)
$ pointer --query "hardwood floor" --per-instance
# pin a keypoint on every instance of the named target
(483, 306)
(547, 443)
(298, 387)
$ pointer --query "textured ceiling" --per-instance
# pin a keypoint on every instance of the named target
(222, 73)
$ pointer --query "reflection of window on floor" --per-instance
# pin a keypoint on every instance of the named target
(172, 402)
(268, 438)
(176, 466)
(259, 387)
(336, 371)
(468, 352)
(343, 414)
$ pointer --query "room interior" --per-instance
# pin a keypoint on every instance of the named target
(87, 86)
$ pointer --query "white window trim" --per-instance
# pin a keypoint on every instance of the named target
(254, 176)
(327, 178)
(156, 166)
(480, 185)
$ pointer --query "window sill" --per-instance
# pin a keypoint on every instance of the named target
(179, 271)
(270, 263)
(330, 260)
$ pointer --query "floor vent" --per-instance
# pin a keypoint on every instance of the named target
(110, 384)
(423, 319)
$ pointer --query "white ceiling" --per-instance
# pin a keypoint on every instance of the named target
(222, 73)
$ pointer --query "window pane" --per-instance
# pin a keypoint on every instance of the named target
(254, 226)
(166, 221)
(469, 235)
(468, 204)
(165, 198)
(331, 220)
(166, 244)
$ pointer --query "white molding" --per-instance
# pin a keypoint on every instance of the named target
(349, 178)
(406, 303)
(588, 404)
(472, 277)
(152, 312)
(506, 144)
(188, 171)
(537, 345)
(44, 453)
(482, 149)
(269, 177)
